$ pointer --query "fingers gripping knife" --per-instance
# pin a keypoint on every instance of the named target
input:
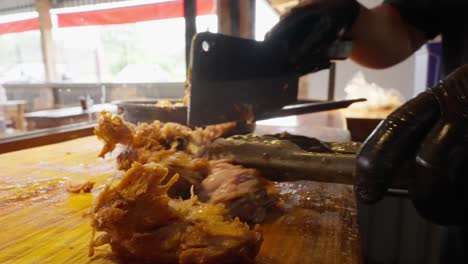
(235, 79)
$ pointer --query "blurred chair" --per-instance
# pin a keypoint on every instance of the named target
(14, 113)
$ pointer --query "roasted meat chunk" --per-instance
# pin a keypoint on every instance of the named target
(140, 221)
(173, 145)
(113, 130)
(78, 187)
(244, 192)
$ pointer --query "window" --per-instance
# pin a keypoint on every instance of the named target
(113, 50)
(101, 52)
(21, 59)
(143, 52)
(265, 18)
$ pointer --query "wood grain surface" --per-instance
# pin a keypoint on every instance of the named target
(41, 223)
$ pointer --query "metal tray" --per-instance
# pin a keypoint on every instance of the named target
(139, 111)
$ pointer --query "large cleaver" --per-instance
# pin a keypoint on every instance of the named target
(236, 79)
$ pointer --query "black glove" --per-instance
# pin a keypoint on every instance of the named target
(430, 134)
(309, 30)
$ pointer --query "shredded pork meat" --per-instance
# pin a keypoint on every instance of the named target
(243, 191)
(139, 220)
(170, 144)
(113, 130)
(77, 187)
(153, 218)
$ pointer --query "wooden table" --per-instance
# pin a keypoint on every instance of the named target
(42, 223)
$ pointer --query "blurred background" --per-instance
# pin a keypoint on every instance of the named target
(63, 61)
(56, 53)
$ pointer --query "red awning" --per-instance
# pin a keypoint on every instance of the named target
(19, 26)
(121, 15)
(130, 14)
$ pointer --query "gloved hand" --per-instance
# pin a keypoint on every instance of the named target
(309, 30)
(430, 134)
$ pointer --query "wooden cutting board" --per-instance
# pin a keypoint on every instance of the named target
(41, 223)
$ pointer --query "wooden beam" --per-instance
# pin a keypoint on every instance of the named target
(247, 18)
(47, 40)
(236, 17)
(190, 15)
(223, 9)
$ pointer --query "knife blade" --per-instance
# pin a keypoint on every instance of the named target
(235, 79)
